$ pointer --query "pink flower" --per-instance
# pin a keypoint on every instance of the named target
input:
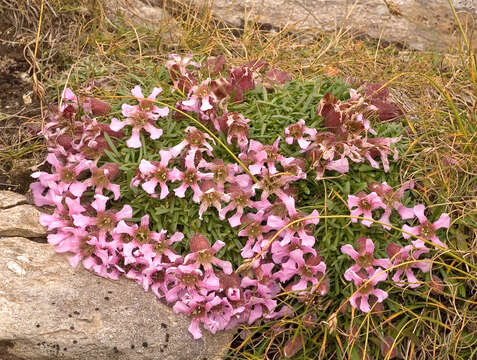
(364, 257)
(271, 156)
(190, 280)
(211, 197)
(100, 179)
(105, 220)
(309, 271)
(226, 173)
(392, 199)
(296, 132)
(196, 140)
(200, 98)
(204, 255)
(156, 172)
(409, 253)
(263, 280)
(142, 116)
(366, 288)
(181, 70)
(235, 125)
(190, 178)
(240, 198)
(364, 204)
(299, 228)
(199, 309)
(64, 177)
(426, 229)
(254, 230)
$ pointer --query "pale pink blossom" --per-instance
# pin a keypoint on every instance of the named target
(426, 229)
(142, 116)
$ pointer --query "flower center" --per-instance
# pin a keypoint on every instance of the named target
(365, 261)
(220, 173)
(364, 204)
(204, 257)
(158, 276)
(105, 221)
(254, 230)
(195, 138)
(366, 289)
(141, 119)
(190, 177)
(100, 179)
(161, 174)
(188, 279)
(307, 271)
(85, 248)
(426, 230)
(295, 131)
(241, 200)
(160, 247)
(142, 235)
(146, 105)
(67, 175)
(198, 311)
(203, 91)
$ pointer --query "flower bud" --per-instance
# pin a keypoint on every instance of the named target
(292, 346)
(98, 107)
(199, 242)
(111, 170)
(387, 347)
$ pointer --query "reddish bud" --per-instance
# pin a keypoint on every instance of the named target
(387, 347)
(393, 249)
(199, 242)
(292, 346)
(65, 141)
(111, 170)
(436, 284)
(98, 107)
(309, 320)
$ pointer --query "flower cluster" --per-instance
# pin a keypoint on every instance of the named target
(367, 271)
(257, 195)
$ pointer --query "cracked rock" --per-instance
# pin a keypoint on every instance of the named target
(10, 198)
(21, 220)
(49, 310)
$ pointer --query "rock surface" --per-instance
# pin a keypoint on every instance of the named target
(49, 310)
(21, 220)
(141, 13)
(10, 198)
(422, 24)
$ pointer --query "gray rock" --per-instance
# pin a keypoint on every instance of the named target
(49, 310)
(142, 13)
(10, 198)
(21, 220)
(422, 24)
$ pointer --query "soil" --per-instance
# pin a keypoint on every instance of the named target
(19, 116)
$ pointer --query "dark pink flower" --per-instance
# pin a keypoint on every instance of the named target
(105, 220)
(308, 271)
(235, 126)
(296, 132)
(364, 257)
(64, 177)
(156, 172)
(211, 197)
(142, 116)
(426, 229)
(299, 228)
(363, 204)
(195, 141)
(409, 253)
(366, 287)
(240, 198)
(204, 255)
(392, 200)
(191, 178)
